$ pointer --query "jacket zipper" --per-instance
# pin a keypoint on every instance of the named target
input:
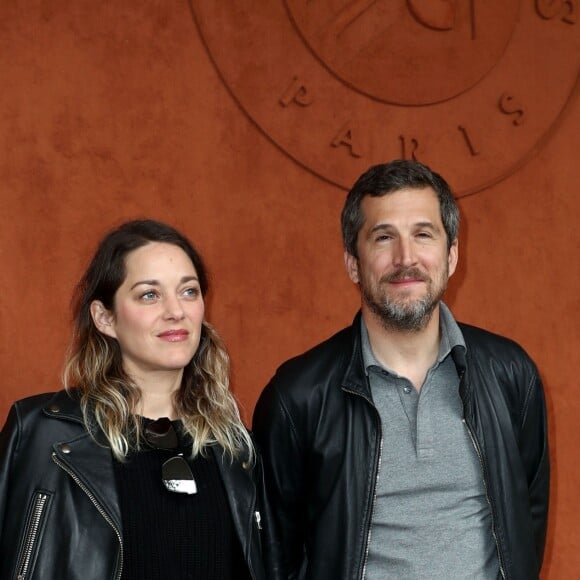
(103, 513)
(31, 534)
(377, 474)
(364, 570)
(493, 532)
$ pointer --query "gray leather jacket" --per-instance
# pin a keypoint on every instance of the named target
(59, 511)
(320, 438)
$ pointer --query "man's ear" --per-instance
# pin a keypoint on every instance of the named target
(104, 319)
(351, 265)
(453, 256)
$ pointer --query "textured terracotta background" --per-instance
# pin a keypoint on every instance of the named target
(114, 110)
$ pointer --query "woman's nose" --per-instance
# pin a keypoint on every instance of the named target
(173, 308)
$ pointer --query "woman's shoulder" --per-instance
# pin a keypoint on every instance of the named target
(32, 404)
(62, 399)
(28, 411)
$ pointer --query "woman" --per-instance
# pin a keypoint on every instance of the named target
(141, 468)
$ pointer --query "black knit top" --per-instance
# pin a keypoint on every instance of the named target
(175, 536)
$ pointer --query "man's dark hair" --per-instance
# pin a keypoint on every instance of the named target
(387, 178)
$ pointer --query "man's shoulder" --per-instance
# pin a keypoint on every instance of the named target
(319, 363)
(486, 346)
(305, 383)
(477, 337)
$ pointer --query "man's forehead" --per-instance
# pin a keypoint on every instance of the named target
(404, 202)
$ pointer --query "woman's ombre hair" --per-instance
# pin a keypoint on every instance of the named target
(94, 365)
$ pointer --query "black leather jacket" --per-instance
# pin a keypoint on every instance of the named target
(59, 511)
(320, 438)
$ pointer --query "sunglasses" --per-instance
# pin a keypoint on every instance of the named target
(175, 472)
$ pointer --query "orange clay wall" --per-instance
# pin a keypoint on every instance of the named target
(242, 123)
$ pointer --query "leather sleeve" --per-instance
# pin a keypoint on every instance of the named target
(285, 476)
(270, 545)
(9, 439)
(535, 456)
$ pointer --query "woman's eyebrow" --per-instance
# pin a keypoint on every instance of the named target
(157, 283)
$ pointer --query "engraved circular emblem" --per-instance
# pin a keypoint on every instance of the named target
(470, 87)
(413, 53)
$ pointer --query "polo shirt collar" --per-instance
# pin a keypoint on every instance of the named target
(451, 337)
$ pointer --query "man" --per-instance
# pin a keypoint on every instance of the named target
(407, 446)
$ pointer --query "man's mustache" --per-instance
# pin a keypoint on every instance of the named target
(406, 273)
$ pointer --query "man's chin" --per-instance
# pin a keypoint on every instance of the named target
(406, 305)
(408, 315)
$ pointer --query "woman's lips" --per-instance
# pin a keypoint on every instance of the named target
(174, 335)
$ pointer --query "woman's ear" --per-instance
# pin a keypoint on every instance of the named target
(104, 319)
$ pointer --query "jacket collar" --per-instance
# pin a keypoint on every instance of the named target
(236, 476)
(65, 405)
(460, 357)
(355, 379)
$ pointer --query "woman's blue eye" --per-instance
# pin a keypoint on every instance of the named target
(151, 295)
(193, 292)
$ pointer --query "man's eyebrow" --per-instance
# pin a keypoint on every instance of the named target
(382, 226)
(427, 224)
(157, 283)
(388, 226)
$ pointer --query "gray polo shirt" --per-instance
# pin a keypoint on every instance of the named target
(431, 518)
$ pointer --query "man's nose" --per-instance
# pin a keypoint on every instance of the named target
(404, 254)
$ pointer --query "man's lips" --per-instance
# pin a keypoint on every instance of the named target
(406, 277)
(176, 335)
(405, 281)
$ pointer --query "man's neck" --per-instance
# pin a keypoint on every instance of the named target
(408, 353)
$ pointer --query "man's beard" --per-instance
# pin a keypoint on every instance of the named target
(406, 315)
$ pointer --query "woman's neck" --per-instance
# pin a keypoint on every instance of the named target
(158, 395)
